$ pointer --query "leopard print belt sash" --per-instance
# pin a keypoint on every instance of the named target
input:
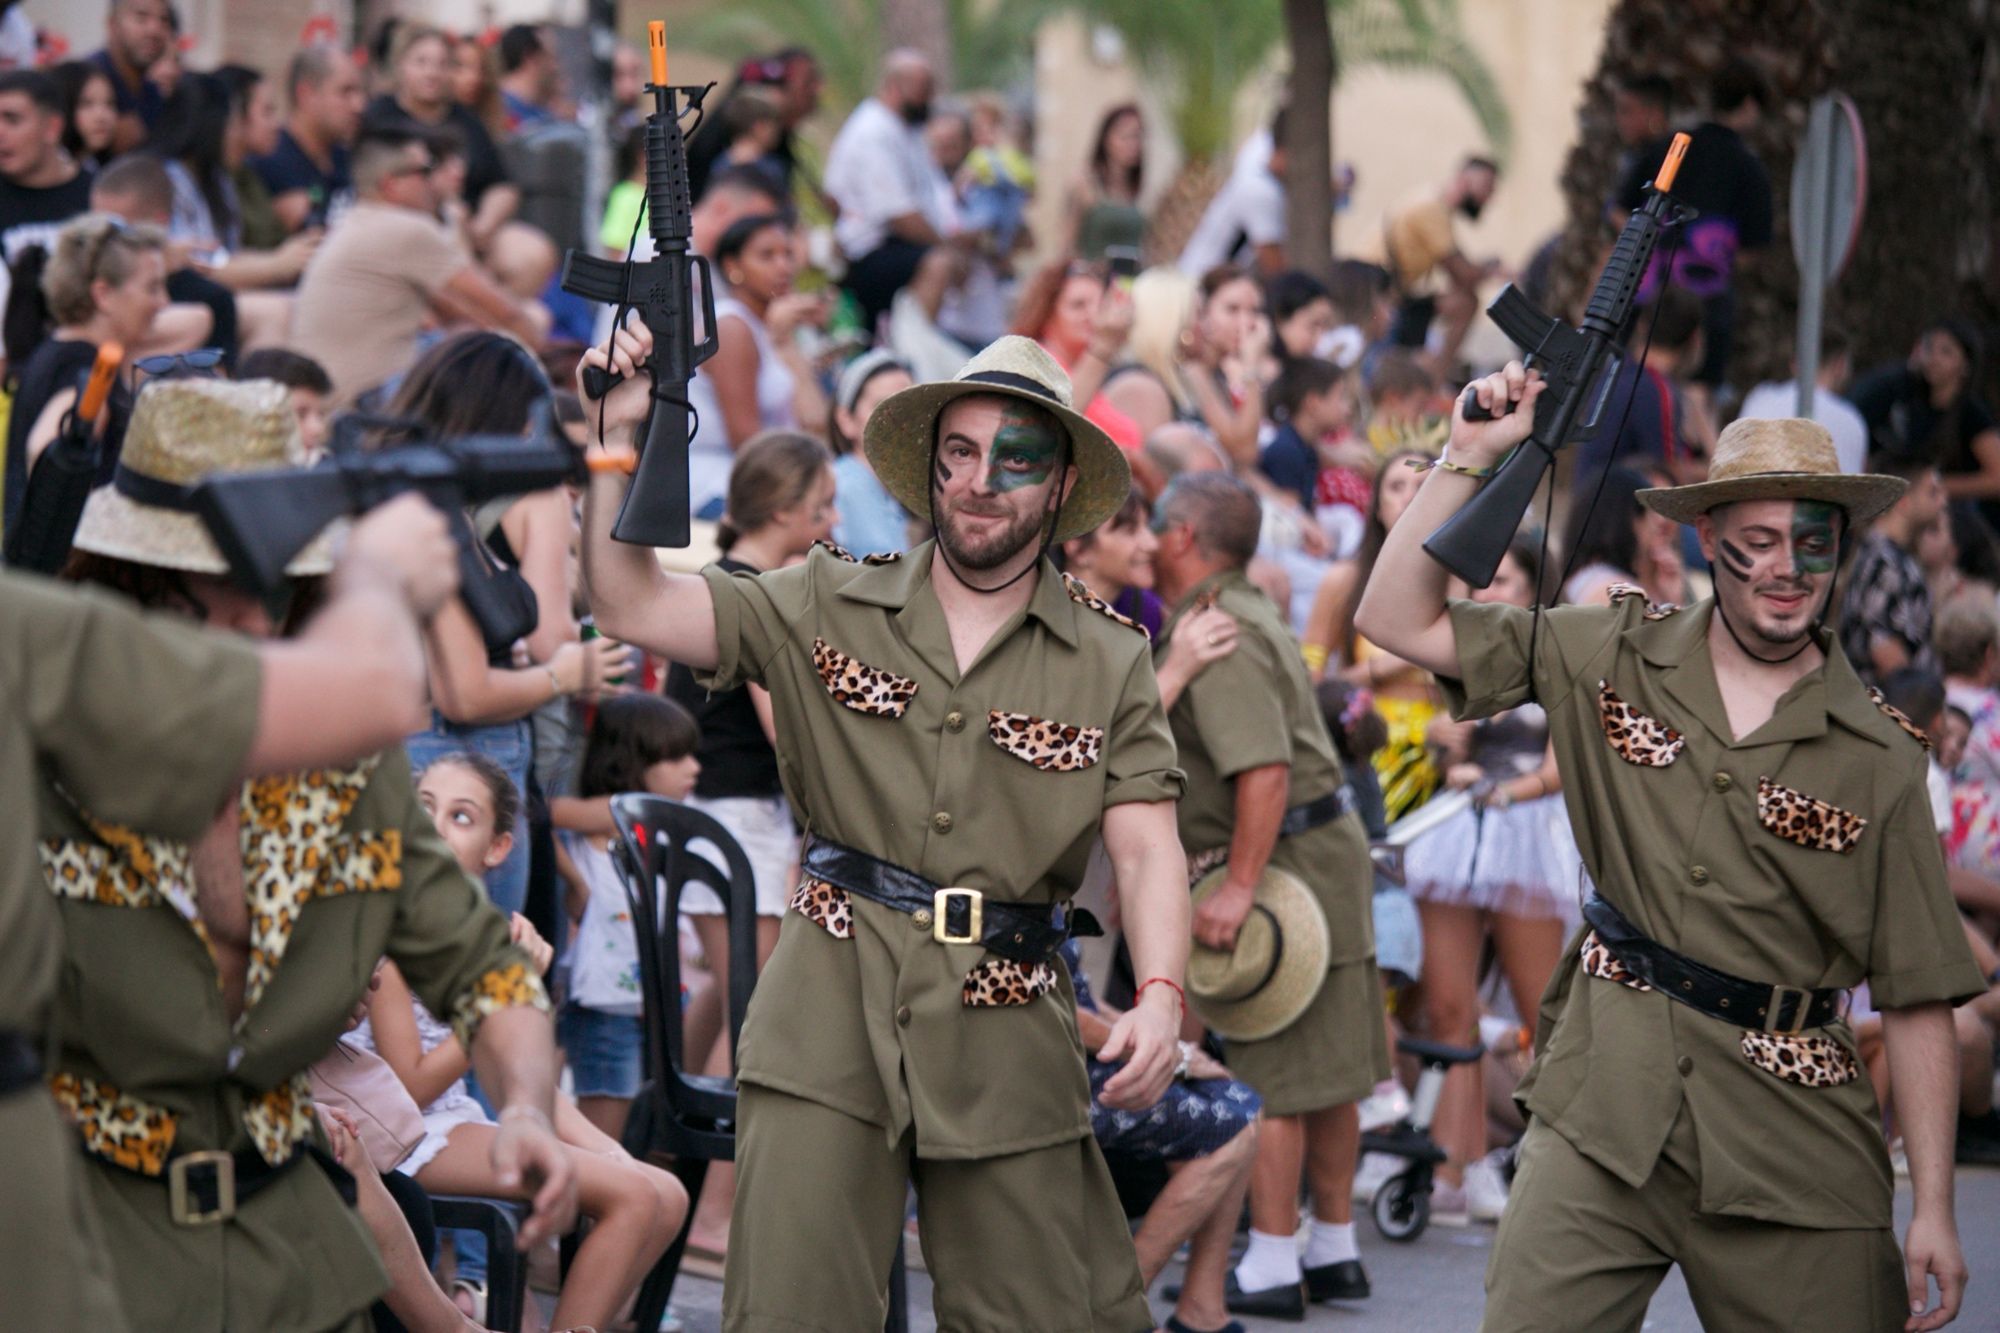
(1746, 1004)
(1024, 932)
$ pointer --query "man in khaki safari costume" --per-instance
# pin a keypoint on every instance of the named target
(201, 975)
(955, 727)
(1760, 840)
(1294, 996)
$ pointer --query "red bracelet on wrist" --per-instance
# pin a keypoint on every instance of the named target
(1162, 981)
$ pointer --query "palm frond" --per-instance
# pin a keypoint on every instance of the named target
(843, 34)
(1425, 36)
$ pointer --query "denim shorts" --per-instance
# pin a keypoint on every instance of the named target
(603, 1051)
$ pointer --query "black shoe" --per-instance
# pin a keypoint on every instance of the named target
(1270, 1303)
(1344, 1281)
(1174, 1325)
(1978, 1140)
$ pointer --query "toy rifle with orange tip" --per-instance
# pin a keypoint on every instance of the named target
(1472, 542)
(663, 292)
(63, 477)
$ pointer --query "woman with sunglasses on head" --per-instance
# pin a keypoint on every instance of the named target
(103, 282)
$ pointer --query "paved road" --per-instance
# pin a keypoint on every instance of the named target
(1433, 1284)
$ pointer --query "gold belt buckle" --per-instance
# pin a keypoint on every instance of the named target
(1778, 994)
(225, 1188)
(975, 911)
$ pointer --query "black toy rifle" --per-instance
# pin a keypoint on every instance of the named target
(261, 520)
(1472, 542)
(63, 477)
(656, 508)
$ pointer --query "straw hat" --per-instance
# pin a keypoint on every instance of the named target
(181, 432)
(902, 431)
(1785, 458)
(1260, 988)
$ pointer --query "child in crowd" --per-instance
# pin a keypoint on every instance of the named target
(635, 1209)
(638, 742)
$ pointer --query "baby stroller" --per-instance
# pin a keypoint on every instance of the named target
(1402, 1204)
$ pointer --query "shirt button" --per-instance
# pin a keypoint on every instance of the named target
(903, 1017)
(1698, 874)
(1685, 1065)
(1723, 782)
(941, 822)
(921, 918)
(954, 721)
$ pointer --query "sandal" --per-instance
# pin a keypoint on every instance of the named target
(474, 1290)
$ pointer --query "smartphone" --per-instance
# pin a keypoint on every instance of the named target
(1124, 262)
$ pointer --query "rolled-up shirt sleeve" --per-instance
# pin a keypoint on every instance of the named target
(1140, 759)
(754, 616)
(1494, 641)
(1920, 954)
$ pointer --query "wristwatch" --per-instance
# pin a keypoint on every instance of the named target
(1187, 1058)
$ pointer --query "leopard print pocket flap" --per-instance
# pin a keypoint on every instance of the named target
(1807, 1059)
(1795, 816)
(820, 902)
(863, 688)
(1054, 747)
(1001, 983)
(1638, 739)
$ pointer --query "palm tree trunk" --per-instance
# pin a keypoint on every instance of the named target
(1308, 141)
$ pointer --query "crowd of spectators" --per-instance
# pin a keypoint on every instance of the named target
(357, 228)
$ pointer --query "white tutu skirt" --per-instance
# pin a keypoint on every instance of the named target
(1518, 861)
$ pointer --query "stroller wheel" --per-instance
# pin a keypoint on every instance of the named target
(1402, 1207)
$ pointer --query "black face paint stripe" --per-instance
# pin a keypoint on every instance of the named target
(1734, 560)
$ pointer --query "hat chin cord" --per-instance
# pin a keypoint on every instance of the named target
(1811, 636)
(1049, 518)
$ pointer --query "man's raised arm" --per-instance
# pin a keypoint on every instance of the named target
(632, 599)
(1402, 609)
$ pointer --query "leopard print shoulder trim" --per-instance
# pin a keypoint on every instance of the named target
(1621, 592)
(1083, 596)
(1900, 718)
(840, 552)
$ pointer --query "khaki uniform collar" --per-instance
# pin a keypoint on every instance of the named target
(1220, 580)
(895, 586)
(1678, 645)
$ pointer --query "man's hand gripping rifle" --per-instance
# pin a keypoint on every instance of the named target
(662, 290)
(1472, 542)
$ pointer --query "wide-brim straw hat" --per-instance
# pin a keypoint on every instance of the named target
(1779, 458)
(183, 431)
(902, 433)
(1259, 988)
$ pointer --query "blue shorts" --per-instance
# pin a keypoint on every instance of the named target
(603, 1051)
(1191, 1119)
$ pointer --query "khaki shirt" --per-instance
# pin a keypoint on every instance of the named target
(340, 868)
(906, 762)
(1680, 837)
(1256, 707)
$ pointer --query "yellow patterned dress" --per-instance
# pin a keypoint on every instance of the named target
(1404, 766)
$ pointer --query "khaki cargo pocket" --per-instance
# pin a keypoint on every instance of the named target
(824, 905)
(1054, 747)
(999, 983)
(857, 685)
(1799, 818)
(1808, 1060)
(1637, 738)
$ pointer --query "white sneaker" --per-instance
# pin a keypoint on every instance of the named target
(1384, 1106)
(1375, 1168)
(1448, 1205)
(1485, 1190)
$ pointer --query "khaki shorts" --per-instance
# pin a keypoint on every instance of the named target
(1335, 1053)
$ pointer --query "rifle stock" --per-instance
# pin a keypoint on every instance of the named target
(1472, 542)
(262, 520)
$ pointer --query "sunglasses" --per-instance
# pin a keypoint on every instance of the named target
(201, 363)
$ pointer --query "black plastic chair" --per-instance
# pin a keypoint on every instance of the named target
(691, 1117)
(498, 1220)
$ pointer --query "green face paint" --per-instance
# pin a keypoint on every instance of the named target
(1023, 455)
(1815, 538)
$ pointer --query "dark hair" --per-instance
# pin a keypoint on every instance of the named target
(1978, 550)
(1737, 82)
(1137, 509)
(1355, 287)
(741, 232)
(294, 370)
(1526, 551)
(1652, 89)
(1674, 318)
(27, 319)
(1354, 740)
(474, 383)
(1603, 533)
(519, 44)
(42, 90)
(630, 734)
(746, 178)
(1300, 380)
(140, 178)
(1373, 537)
(1962, 332)
(500, 788)
(631, 152)
(773, 471)
(748, 109)
(1221, 276)
(311, 65)
(1833, 344)
(1042, 292)
(1889, 463)
(384, 38)
(1397, 372)
(1287, 294)
(156, 588)
(1915, 692)
(190, 131)
(1100, 157)
(71, 78)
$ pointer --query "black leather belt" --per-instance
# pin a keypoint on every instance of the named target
(1024, 932)
(1784, 1010)
(1304, 818)
(20, 1062)
(205, 1186)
